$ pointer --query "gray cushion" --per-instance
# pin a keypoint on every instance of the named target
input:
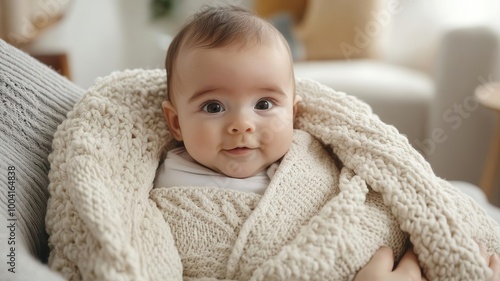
(34, 100)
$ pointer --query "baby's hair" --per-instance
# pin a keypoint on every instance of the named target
(220, 26)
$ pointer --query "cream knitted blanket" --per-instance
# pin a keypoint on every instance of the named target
(348, 185)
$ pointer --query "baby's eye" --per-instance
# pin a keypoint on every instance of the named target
(213, 107)
(263, 105)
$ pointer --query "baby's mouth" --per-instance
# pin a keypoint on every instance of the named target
(239, 150)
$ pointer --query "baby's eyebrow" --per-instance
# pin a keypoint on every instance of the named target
(273, 89)
(200, 93)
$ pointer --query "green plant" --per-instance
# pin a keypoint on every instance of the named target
(160, 8)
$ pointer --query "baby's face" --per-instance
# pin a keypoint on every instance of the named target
(233, 107)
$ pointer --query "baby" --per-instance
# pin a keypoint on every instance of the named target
(232, 103)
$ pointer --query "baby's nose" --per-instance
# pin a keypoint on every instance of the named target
(241, 125)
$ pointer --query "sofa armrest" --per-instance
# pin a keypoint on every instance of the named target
(33, 101)
(459, 128)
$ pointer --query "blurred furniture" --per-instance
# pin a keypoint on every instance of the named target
(22, 21)
(436, 111)
(56, 61)
(418, 79)
(35, 100)
(489, 96)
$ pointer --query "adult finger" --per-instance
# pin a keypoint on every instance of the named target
(484, 252)
(408, 266)
(494, 264)
(383, 259)
(379, 266)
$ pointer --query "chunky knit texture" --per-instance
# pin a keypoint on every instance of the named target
(316, 221)
(205, 223)
(236, 232)
(34, 100)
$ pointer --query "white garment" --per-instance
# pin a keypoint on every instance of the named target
(180, 169)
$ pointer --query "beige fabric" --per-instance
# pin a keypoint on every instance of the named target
(214, 216)
(266, 8)
(230, 244)
(339, 29)
(315, 221)
(22, 20)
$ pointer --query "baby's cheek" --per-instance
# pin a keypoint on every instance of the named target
(267, 135)
(280, 123)
(277, 128)
(199, 141)
(202, 154)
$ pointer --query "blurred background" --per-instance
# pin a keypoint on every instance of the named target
(102, 36)
(418, 63)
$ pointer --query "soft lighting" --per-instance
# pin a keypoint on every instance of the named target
(463, 12)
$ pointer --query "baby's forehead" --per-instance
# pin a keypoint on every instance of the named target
(193, 61)
(197, 59)
(274, 42)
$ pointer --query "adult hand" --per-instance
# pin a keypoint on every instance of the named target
(492, 261)
(380, 267)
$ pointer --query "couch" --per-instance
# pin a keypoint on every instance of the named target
(435, 110)
(415, 70)
(34, 100)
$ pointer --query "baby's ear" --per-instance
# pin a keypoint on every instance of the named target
(296, 100)
(172, 119)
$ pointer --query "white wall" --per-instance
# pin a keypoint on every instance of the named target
(92, 35)
(105, 36)
(416, 27)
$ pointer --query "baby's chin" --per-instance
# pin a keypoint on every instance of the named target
(239, 172)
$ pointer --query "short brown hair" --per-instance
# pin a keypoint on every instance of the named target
(219, 26)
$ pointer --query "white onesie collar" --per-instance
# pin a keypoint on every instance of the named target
(180, 169)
